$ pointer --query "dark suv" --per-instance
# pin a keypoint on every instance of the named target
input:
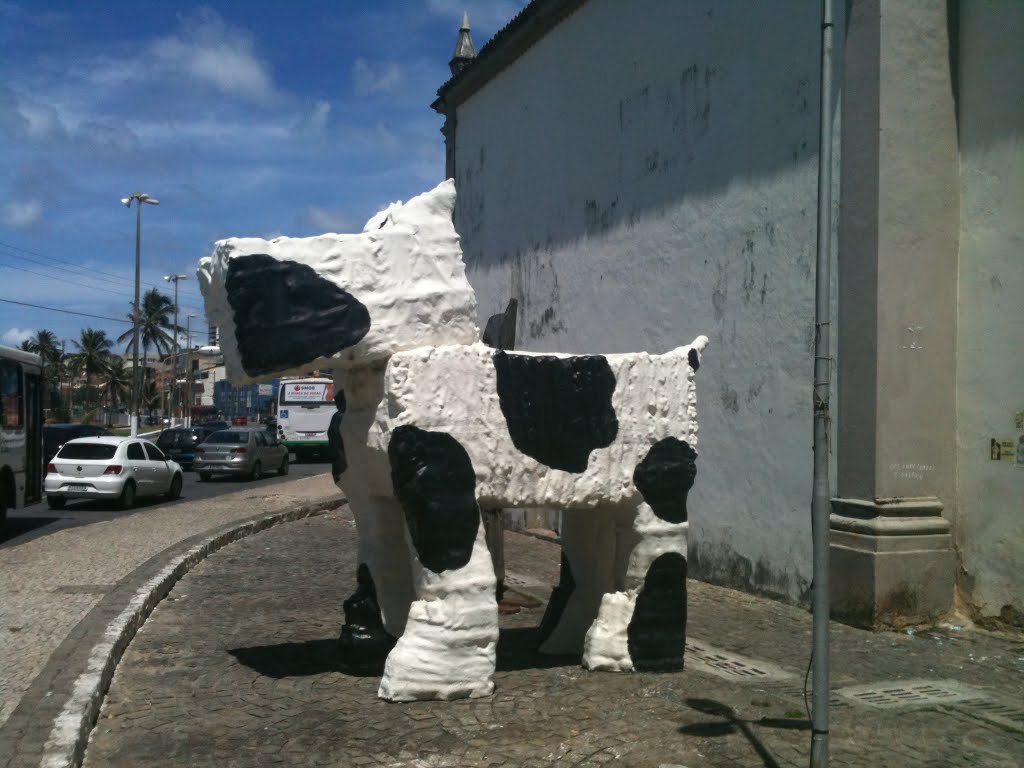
(55, 435)
(180, 443)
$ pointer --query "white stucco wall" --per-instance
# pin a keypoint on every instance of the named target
(647, 173)
(990, 368)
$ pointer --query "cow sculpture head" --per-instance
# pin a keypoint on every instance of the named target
(289, 305)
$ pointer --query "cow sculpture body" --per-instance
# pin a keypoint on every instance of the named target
(437, 424)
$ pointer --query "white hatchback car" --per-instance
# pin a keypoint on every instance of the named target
(115, 468)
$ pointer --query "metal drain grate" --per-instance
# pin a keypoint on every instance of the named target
(702, 657)
(993, 712)
(908, 693)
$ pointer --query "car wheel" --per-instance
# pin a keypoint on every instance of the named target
(283, 469)
(175, 490)
(127, 500)
(56, 502)
(257, 471)
(204, 477)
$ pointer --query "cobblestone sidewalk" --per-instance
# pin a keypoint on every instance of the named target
(237, 667)
(59, 593)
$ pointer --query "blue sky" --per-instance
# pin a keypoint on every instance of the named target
(243, 118)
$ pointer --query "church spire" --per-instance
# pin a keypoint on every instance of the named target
(464, 50)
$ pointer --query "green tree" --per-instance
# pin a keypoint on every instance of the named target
(44, 343)
(155, 326)
(117, 382)
(92, 359)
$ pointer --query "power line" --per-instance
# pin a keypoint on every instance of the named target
(66, 311)
(91, 274)
(70, 312)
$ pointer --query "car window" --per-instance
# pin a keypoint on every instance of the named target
(227, 437)
(135, 452)
(155, 454)
(260, 440)
(271, 439)
(87, 451)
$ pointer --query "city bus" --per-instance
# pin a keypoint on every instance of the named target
(21, 429)
(304, 410)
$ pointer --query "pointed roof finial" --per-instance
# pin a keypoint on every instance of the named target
(464, 50)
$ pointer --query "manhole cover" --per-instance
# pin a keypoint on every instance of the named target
(702, 657)
(908, 693)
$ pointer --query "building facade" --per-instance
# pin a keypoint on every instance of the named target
(636, 174)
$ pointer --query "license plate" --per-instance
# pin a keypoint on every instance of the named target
(77, 487)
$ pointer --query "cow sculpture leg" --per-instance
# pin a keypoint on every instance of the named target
(643, 627)
(375, 614)
(448, 648)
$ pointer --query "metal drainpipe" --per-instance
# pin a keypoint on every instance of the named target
(820, 503)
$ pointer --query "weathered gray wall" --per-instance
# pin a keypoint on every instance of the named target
(990, 371)
(647, 173)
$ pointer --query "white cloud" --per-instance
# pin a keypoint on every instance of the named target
(24, 117)
(206, 49)
(324, 220)
(14, 336)
(379, 77)
(317, 120)
(20, 215)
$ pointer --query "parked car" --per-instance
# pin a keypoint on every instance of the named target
(240, 451)
(115, 468)
(179, 443)
(55, 435)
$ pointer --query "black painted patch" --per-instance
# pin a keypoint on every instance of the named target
(665, 476)
(434, 480)
(286, 315)
(656, 636)
(557, 602)
(557, 409)
(364, 643)
(693, 357)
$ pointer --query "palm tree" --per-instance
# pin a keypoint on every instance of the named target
(44, 344)
(155, 327)
(92, 358)
(117, 382)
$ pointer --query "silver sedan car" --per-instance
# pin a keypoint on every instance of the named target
(240, 451)
(114, 468)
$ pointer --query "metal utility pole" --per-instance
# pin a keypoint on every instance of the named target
(821, 501)
(174, 378)
(139, 198)
(188, 367)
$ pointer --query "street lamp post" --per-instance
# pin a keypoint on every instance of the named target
(139, 198)
(175, 279)
(188, 365)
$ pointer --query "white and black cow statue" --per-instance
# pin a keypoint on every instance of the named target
(437, 424)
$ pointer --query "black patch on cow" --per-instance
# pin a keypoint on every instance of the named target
(557, 602)
(434, 480)
(557, 409)
(364, 644)
(665, 476)
(656, 636)
(286, 315)
(693, 357)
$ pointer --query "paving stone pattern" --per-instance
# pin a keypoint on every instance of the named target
(238, 667)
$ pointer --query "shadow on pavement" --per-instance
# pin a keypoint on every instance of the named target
(311, 657)
(731, 723)
(517, 650)
(14, 527)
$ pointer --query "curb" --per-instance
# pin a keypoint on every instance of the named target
(69, 736)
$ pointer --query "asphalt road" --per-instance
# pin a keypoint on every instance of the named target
(38, 520)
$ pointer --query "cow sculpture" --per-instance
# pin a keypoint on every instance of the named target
(437, 424)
